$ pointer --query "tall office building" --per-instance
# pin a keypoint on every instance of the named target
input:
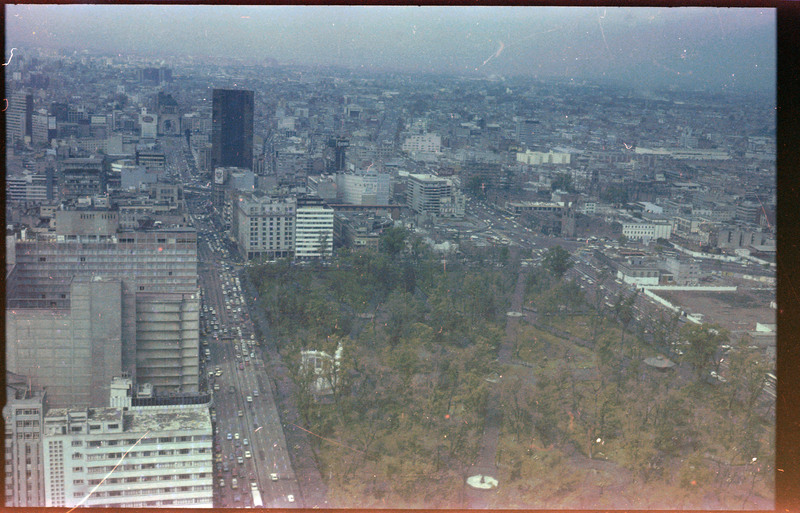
(144, 321)
(232, 129)
(19, 117)
(313, 233)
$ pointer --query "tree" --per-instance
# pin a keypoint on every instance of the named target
(703, 344)
(393, 240)
(562, 181)
(557, 261)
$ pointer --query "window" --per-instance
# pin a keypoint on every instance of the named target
(77, 456)
(77, 482)
(77, 469)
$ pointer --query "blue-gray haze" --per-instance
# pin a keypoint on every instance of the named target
(684, 48)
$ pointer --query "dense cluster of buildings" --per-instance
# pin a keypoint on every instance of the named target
(105, 155)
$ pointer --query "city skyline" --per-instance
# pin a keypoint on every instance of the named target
(647, 48)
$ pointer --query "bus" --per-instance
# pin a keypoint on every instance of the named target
(257, 502)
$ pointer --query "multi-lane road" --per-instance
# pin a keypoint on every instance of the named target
(249, 441)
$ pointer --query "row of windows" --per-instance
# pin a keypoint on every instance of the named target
(160, 440)
(27, 411)
(151, 504)
(133, 493)
(146, 454)
(145, 479)
(146, 466)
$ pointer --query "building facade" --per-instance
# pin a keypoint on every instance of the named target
(232, 129)
(264, 226)
(142, 457)
(24, 465)
(313, 235)
(647, 230)
(159, 303)
(435, 196)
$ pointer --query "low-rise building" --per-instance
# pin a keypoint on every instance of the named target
(652, 231)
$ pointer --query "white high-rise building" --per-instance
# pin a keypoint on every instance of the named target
(313, 235)
(142, 457)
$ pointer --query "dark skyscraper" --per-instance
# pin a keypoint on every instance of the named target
(232, 129)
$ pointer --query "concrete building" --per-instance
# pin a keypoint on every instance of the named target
(24, 465)
(423, 143)
(313, 235)
(435, 196)
(169, 118)
(157, 272)
(537, 158)
(525, 207)
(647, 230)
(683, 271)
(148, 123)
(359, 229)
(159, 457)
(264, 226)
(53, 338)
(735, 238)
(31, 187)
(232, 128)
(81, 177)
(19, 118)
(368, 187)
(155, 161)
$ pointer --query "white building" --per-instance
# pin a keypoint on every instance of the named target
(143, 457)
(423, 143)
(536, 158)
(313, 234)
(433, 195)
(149, 125)
(324, 367)
(364, 188)
(264, 226)
(647, 230)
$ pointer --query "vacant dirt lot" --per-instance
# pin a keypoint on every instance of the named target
(735, 311)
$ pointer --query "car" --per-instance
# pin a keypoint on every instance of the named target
(253, 485)
(236, 436)
(246, 442)
(234, 483)
(240, 413)
(255, 393)
(240, 460)
(231, 436)
(222, 483)
(290, 498)
(247, 454)
(241, 366)
(249, 398)
(273, 476)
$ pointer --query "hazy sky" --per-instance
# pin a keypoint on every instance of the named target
(684, 47)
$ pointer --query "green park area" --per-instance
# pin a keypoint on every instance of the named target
(586, 422)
